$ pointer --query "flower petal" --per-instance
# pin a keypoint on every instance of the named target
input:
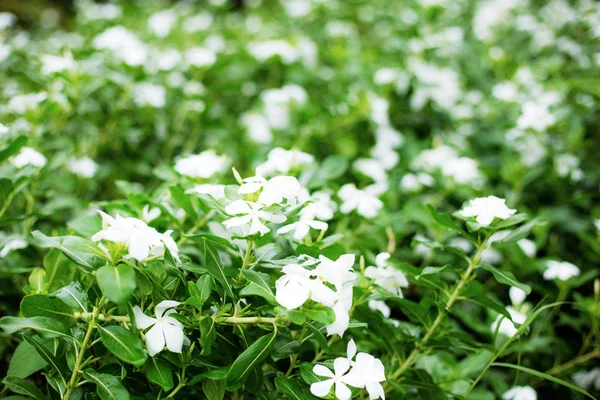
(342, 392)
(322, 370)
(142, 320)
(321, 389)
(155, 339)
(173, 337)
(164, 305)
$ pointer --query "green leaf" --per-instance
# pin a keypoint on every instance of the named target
(213, 389)
(208, 334)
(123, 344)
(306, 370)
(318, 335)
(544, 376)
(260, 285)
(513, 220)
(507, 278)
(431, 270)
(21, 386)
(204, 284)
(40, 305)
(57, 268)
(159, 372)
(474, 293)
(284, 348)
(108, 387)
(183, 201)
(81, 251)
(13, 148)
(322, 314)
(522, 231)
(37, 279)
(215, 239)
(443, 219)
(47, 327)
(25, 361)
(474, 363)
(292, 388)
(47, 356)
(73, 296)
(252, 356)
(117, 283)
(215, 267)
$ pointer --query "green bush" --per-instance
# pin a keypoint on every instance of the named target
(416, 213)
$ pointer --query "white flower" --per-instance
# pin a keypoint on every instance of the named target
(203, 165)
(28, 156)
(161, 22)
(367, 372)
(263, 51)
(257, 127)
(140, 239)
(431, 159)
(372, 168)
(84, 167)
(463, 170)
(93, 11)
(587, 380)
(517, 296)
(381, 306)
(341, 366)
(297, 286)
(22, 103)
(200, 57)
(520, 393)
(507, 327)
(251, 215)
(281, 161)
(560, 270)
(123, 44)
(53, 64)
(149, 94)
(535, 116)
(216, 191)
(322, 207)
(12, 243)
(150, 214)
(364, 201)
(6, 20)
(302, 227)
(5, 51)
(198, 22)
(274, 191)
(4, 129)
(528, 247)
(165, 329)
(485, 209)
(415, 182)
(386, 276)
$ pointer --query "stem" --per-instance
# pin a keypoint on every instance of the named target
(249, 320)
(84, 345)
(473, 264)
(246, 259)
(560, 369)
(178, 388)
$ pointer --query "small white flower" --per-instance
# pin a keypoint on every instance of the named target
(386, 276)
(587, 379)
(53, 64)
(322, 207)
(560, 270)
(12, 243)
(28, 156)
(252, 215)
(149, 94)
(200, 57)
(528, 247)
(535, 116)
(381, 306)
(7, 20)
(372, 168)
(273, 191)
(263, 51)
(198, 22)
(150, 214)
(203, 165)
(257, 127)
(22, 103)
(165, 329)
(216, 191)
(297, 286)
(302, 227)
(485, 209)
(367, 372)
(123, 44)
(507, 327)
(364, 201)
(141, 240)
(85, 167)
(281, 161)
(520, 393)
(341, 366)
(517, 296)
(4, 129)
(161, 22)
